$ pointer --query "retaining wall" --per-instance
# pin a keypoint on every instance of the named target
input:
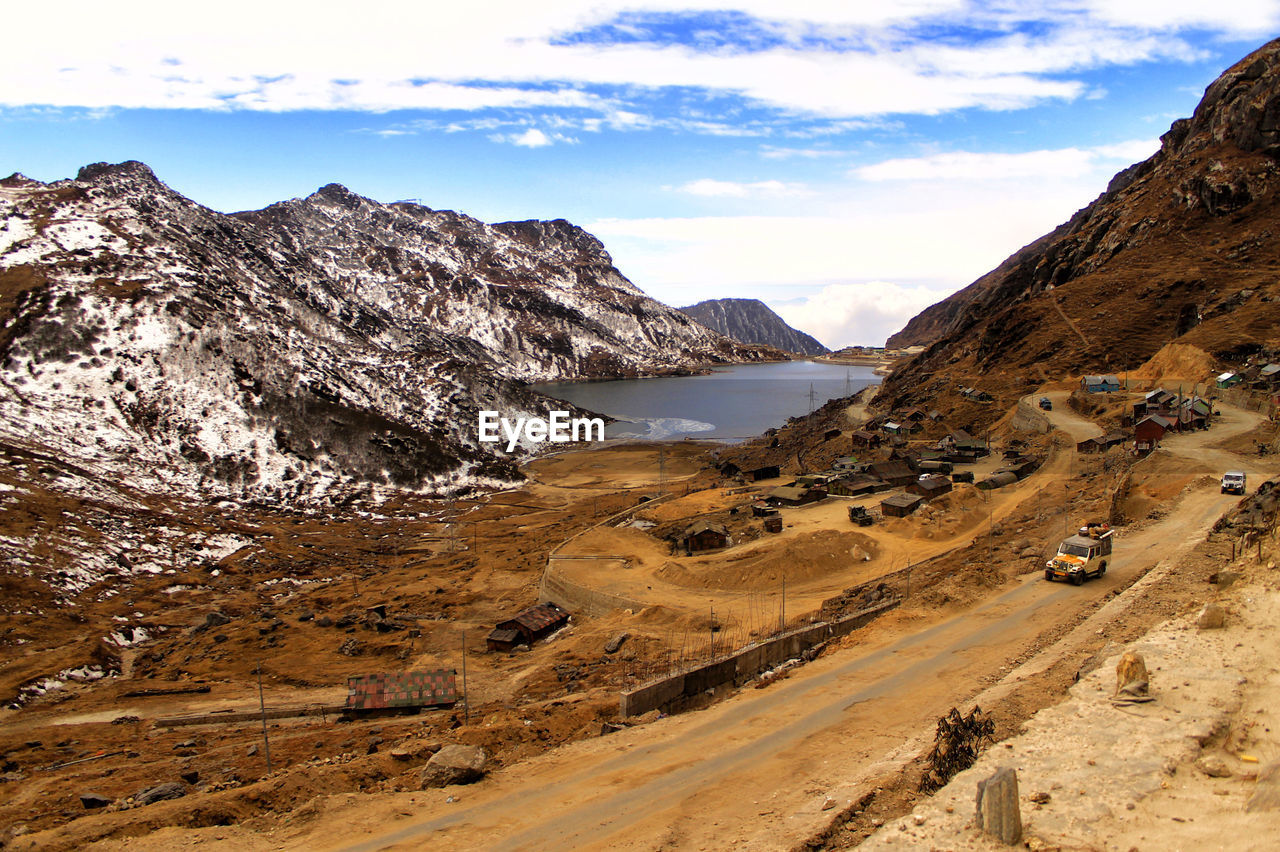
(680, 691)
(574, 597)
(1029, 418)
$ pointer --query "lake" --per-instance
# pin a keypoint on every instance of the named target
(733, 403)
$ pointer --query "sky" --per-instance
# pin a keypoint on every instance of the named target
(847, 162)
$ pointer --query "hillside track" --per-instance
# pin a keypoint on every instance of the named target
(755, 770)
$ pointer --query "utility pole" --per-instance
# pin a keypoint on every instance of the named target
(783, 625)
(662, 471)
(466, 697)
(262, 706)
(812, 397)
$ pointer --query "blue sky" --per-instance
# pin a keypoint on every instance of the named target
(848, 163)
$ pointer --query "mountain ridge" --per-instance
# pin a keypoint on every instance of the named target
(319, 345)
(752, 321)
(1181, 247)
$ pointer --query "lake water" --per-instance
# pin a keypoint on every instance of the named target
(731, 404)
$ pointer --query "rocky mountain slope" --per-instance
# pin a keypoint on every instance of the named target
(752, 321)
(1181, 247)
(324, 341)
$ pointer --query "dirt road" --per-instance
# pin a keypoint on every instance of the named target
(755, 771)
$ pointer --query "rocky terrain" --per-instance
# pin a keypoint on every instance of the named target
(752, 321)
(1179, 248)
(322, 341)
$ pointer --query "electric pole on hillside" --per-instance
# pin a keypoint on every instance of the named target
(662, 471)
(812, 396)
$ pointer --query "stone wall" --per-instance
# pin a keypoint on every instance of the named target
(684, 689)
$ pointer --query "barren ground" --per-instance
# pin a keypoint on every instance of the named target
(816, 756)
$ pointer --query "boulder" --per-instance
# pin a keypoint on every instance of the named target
(1131, 670)
(616, 643)
(1211, 617)
(160, 792)
(997, 806)
(92, 801)
(454, 764)
(216, 619)
(1214, 766)
(1226, 579)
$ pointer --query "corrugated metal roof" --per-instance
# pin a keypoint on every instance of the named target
(401, 689)
(707, 526)
(538, 617)
(903, 501)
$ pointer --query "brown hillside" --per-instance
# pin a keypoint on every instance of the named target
(1181, 247)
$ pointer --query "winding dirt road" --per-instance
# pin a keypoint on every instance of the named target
(754, 771)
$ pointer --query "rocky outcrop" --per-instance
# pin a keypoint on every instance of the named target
(752, 321)
(1180, 247)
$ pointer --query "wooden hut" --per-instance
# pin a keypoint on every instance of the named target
(527, 627)
(704, 535)
(900, 505)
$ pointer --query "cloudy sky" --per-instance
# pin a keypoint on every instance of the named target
(847, 162)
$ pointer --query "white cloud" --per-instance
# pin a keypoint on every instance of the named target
(532, 138)
(982, 166)
(858, 314)
(834, 60)
(709, 187)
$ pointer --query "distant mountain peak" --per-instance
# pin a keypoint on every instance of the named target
(128, 169)
(752, 321)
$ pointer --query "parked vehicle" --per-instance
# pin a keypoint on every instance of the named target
(1233, 482)
(858, 514)
(1081, 556)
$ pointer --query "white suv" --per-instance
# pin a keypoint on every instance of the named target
(1233, 482)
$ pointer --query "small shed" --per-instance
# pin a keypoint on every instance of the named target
(773, 524)
(845, 463)
(852, 486)
(1149, 430)
(527, 627)
(862, 439)
(999, 479)
(1021, 467)
(900, 505)
(1101, 443)
(1100, 384)
(830, 434)
(892, 472)
(1228, 380)
(796, 495)
(762, 510)
(891, 427)
(402, 690)
(962, 476)
(771, 471)
(1268, 377)
(929, 487)
(705, 535)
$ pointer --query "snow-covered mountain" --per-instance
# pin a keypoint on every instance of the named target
(752, 321)
(320, 341)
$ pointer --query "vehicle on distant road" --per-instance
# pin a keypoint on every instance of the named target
(1233, 482)
(1046, 403)
(1081, 556)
